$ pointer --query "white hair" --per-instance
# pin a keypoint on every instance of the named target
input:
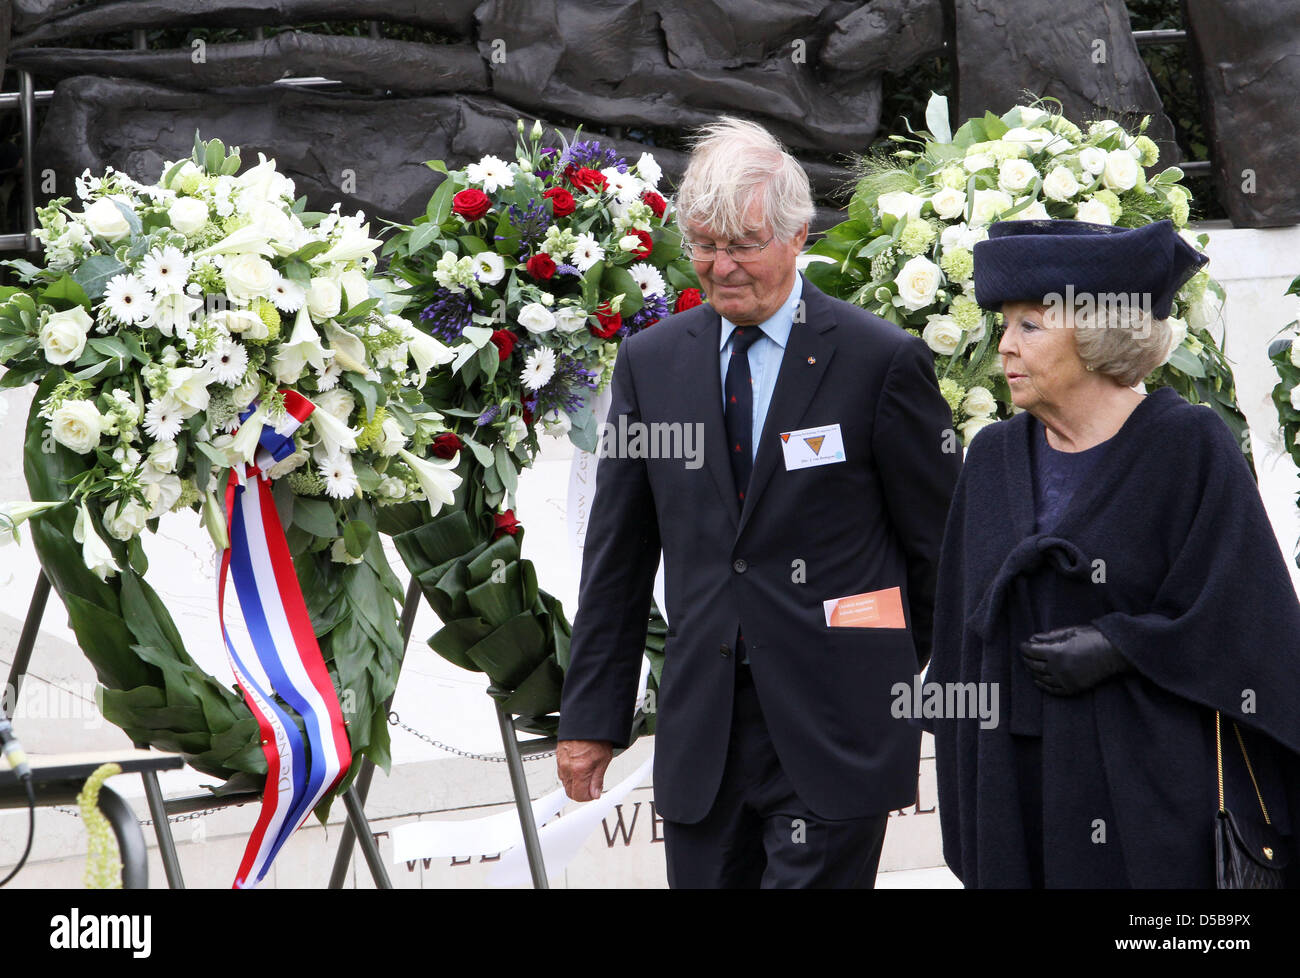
(732, 162)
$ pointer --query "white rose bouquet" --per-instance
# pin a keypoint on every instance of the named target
(907, 250)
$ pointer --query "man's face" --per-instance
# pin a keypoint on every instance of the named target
(746, 293)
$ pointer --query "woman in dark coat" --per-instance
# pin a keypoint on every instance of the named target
(1109, 565)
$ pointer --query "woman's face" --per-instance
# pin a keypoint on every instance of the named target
(1039, 356)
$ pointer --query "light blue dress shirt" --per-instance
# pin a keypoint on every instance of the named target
(764, 356)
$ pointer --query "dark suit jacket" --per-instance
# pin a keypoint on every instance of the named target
(870, 522)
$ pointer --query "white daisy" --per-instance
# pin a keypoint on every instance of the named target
(624, 186)
(489, 267)
(162, 419)
(539, 368)
(165, 270)
(340, 480)
(648, 278)
(587, 251)
(128, 299)
(228, 362)
(492, 172)
(287, 295)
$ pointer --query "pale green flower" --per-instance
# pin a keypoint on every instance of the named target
(958, 264)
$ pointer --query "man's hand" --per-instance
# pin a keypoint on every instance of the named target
(581, 764)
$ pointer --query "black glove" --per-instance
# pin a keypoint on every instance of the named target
(1070, 660)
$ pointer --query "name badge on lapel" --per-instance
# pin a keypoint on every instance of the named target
(812, 446)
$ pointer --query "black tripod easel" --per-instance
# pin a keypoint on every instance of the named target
(356, 829)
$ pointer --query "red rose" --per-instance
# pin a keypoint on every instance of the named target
(505, 342)
(647, 243)
(610, 322)
(562, 202)
(505, 523)
(689, 299)
(585, 178)
(528, 416)
(656, 203)
(541, 266)
(446, 445)
(471, 204)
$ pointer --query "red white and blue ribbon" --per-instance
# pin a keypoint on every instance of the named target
(286, 659)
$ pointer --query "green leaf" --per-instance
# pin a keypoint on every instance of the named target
(315, 516)
(357, 537)
(66, 289)
(93, 274)
(439, 208)
(422, 235)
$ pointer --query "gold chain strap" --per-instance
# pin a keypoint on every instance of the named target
(1218, 752)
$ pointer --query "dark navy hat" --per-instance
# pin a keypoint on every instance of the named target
(1028, 260)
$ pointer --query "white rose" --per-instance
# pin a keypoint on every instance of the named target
(1060, 184)
(105, 220)
(949, 203)
(918, 281)
(570, 320)
(77, 425)
(1032, 139)
(556, 423)
(248, 276)
(187, 214)
(1204, 312)
(339, 553)
(1295, 397)
(1092, 159)
(337, 402)
(162, 494)
(972, 427)
(1093, 211)
(900, 204)
(1177, 333)
(324, 298)
(63, 336)
(536, 318)
(163, 456)
(1015, 175)
(942, 334)
(1034, 212)
(1121, 170)
(987, 206)
(979, 402)
(974, 162)
(961, 236)
(1032, 116)
(125, 520)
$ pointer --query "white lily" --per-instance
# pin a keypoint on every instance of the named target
(335, 435)
(437, 478)
(349, 351)
(426, 351)
(355, 242)
(305, 342)
(244, 447)
(14, 515)
(248, 240)
(96, 555)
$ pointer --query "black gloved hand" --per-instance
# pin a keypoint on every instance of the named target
(1071, 660)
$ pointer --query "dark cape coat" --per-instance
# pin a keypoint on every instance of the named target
(1168, 551)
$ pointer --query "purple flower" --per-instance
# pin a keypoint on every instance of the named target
(488, 416)
(589, 153)
(448, 314)
(531, 222)
(568, 388)
(655, 308)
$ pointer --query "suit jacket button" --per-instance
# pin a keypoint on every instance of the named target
(726, 652)
(739, 566)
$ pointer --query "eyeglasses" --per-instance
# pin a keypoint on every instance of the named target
(737, 252)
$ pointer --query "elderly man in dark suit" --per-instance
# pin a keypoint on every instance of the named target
(800, 557)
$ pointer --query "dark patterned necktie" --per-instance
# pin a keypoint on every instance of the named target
(739, 393)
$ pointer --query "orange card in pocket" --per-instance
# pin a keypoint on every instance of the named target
(872, 609)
